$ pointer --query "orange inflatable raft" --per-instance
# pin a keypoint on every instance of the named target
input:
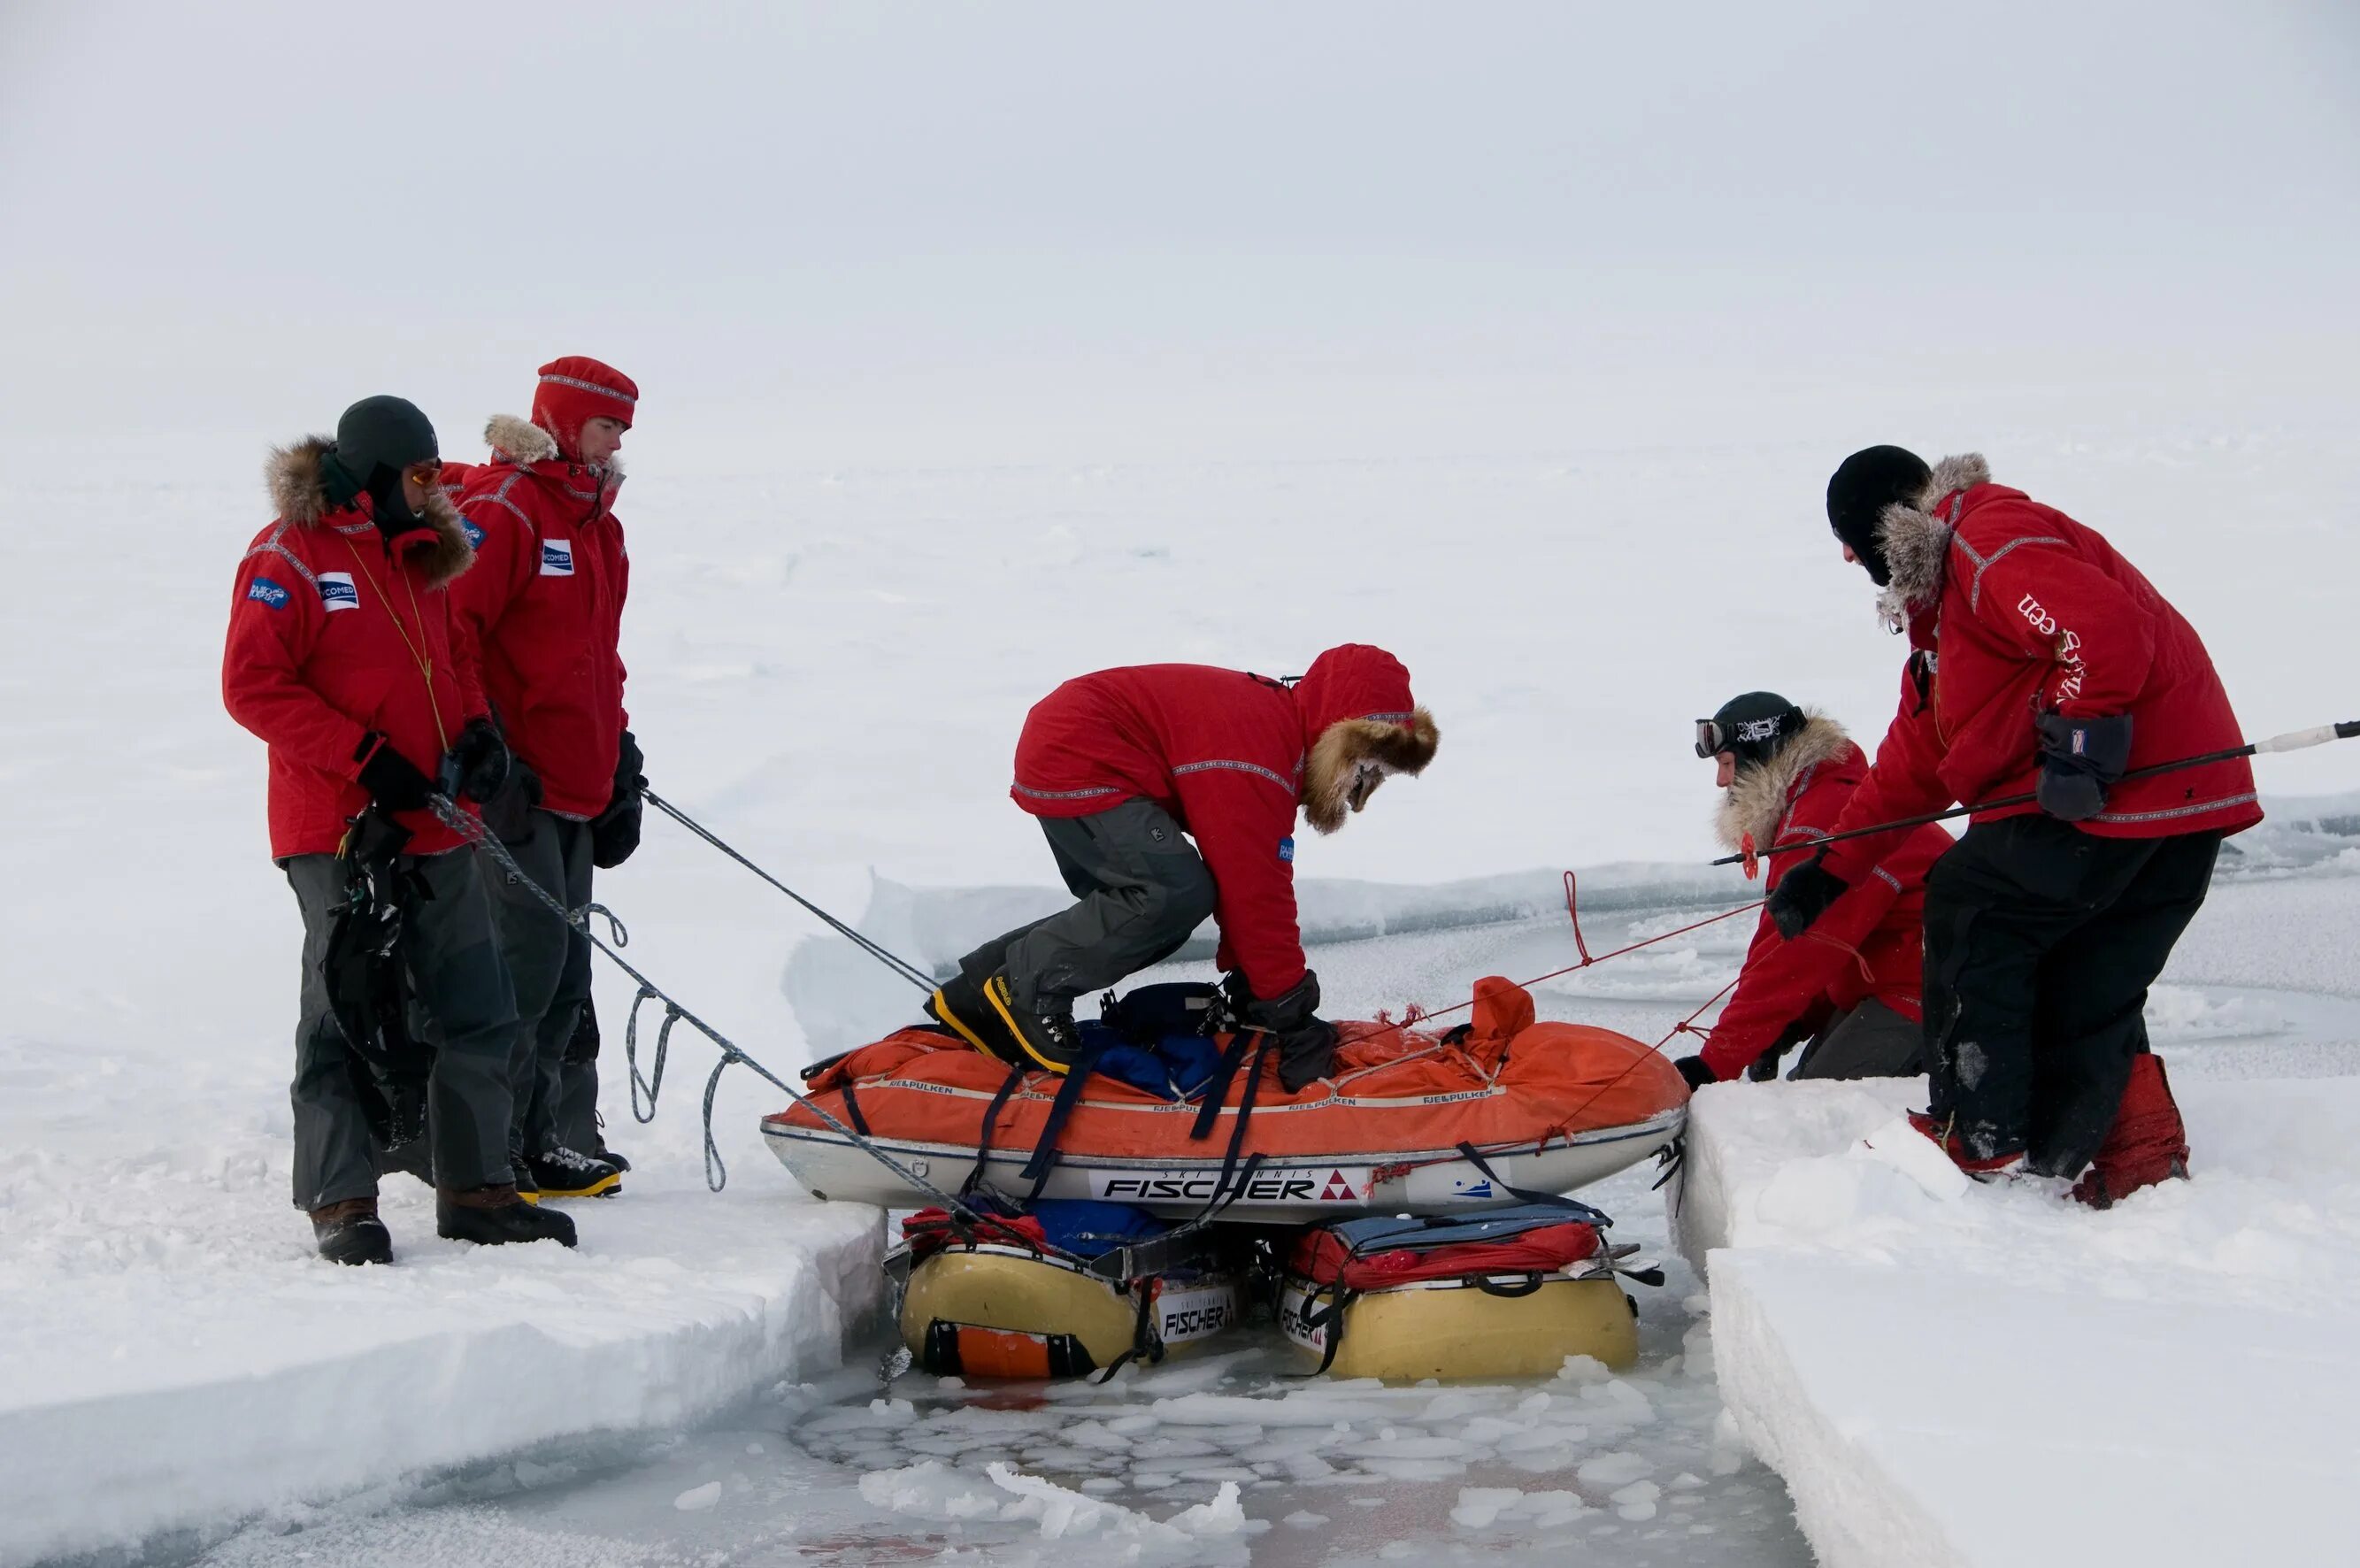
(1410, 1122)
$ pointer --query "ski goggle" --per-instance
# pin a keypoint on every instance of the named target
(1713, 737)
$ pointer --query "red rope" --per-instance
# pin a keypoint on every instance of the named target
(1418, 1016)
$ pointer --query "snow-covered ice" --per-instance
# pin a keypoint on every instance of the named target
(1968, 1376)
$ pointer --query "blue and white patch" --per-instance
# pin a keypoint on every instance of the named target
(474, 535)
(1287, 849)
(337, 592)
(265, 591)
(557, 557)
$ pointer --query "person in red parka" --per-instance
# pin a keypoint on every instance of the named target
(1849, 984)
(1118, 766)
(540, 622)
(339, 657)
(2042, 663)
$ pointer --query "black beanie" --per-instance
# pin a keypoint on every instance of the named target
(1868, 481)
(1758, 724)
(376, 440)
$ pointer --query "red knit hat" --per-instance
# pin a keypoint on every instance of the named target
(578, 388)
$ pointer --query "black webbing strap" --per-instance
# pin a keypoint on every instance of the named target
(1529, 1195)
(1217, 1088)
(1145, 1343)
(991, 1124)
(1061, 1110)
(1330, 1317)
(852, 1109)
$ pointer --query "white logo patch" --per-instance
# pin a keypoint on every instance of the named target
(337, 592)
(557, 557)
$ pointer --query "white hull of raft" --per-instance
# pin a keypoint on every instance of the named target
(1293, 1189)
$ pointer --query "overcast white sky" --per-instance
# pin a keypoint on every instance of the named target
(891, 222)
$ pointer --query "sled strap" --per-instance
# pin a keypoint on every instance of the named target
(1223, 1196)
(1330, 1317)
(852, 1108)
(1523, 1287)
(1145, 1343)
(1217, 1088)
(990, 1123)
(1573, 1206)
(1061, 1110)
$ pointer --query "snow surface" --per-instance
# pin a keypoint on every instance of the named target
(828, 666)
(1965, 1376)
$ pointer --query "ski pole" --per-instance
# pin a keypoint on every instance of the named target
(2294, 740)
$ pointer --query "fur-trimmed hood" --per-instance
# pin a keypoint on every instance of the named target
(1332, 786)
(1360, 725)
(300, 493)
(1753, 806)
(519, 440)
(1916, 542)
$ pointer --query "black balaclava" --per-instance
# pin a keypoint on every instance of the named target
(1758, 724)
(377, 440)
(1868, 481)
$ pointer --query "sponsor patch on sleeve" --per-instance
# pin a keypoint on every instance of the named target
(337, 592)
(557, 557)
(1287, 849)
(474, 535)
(262, 590)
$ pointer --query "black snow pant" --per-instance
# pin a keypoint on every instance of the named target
(549, 962)
(461, 1004)
(2040, 944)
(1870, 1040)
(1143, 891)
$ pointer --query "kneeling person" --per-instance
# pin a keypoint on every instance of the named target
(1850, 984)
(1118, 766)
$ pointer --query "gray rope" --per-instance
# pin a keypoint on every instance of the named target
(716, 1174)
(899, 966)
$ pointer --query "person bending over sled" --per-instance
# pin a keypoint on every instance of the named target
(1848, 986)
(1118, 766)
(2042, 663)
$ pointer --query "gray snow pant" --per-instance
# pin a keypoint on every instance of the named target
(1870, 1040)
(549, 962)
(461, 1004)
(1143, 891)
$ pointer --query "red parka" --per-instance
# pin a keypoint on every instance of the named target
(540, 616)
(328, 631)
(2014, 608)
(1231, 756)
(1870, 943)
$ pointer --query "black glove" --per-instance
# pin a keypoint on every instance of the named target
(1803, 895)
(615, 832)
(1693, 1069)
(2079, 758)
(392, 780)
(479, 760)
(1306, 1041)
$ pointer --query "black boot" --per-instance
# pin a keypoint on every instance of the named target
(563, 1173)
(1044, 1032)
(601, 1151)
(962, 1006)
(520, 1171)
(496, 1215)
(350, 1232)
